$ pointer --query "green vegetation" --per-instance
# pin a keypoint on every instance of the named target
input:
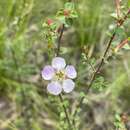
(24, 51)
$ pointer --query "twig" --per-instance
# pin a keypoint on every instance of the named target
(92, 67)
(65, 110)
(59, 40)
(60, 96)
(117, 2)
(101, 63)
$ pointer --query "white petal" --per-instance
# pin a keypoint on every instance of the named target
(54, 88)
(70, 71)
(68, 85)
(48, 72)
(58, 63)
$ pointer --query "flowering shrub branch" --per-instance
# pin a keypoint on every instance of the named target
(102, 61)
(62, 76)
(60, 95)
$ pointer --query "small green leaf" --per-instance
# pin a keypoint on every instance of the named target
(66, 103)
(82, 94)
(62, 19)
(99, 84)
(69, 5)
(117, 117)
(74, 14)
(120, 31)
(44, 24)
(62, 115)
(64, 50)
(114, 15)
(115, 43)
(126, 47)
(53, 26)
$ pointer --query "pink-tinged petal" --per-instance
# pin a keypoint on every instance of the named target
(58, 63)
(48, 72)
(70, 72)
(54, 88)
(68, 85)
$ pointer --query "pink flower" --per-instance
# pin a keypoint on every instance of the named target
(60, 75)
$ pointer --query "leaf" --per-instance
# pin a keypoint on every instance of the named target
(66, 103)
(120, 31)
(62, 115)
(44, 25)
(126, 47)
(115, 43)
(82, 94)
(99, 84)
(64, 50)
(114, 15)
(69, 5)
(74, 14)
(62, 19)
(117, 117)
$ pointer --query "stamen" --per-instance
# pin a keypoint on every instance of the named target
(60, 75)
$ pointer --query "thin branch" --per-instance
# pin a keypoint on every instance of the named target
(59, 40)
(117, 2)
(65, 110)
(60, 96)
(101, 63)
(92, 67)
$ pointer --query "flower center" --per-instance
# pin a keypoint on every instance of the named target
(60, 75)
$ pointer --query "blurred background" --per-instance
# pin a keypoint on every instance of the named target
(24, 101)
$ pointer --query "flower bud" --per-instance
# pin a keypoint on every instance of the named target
(49, 22)
(66, 12)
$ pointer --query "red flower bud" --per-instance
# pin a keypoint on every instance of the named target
(66, 12)
(49, 22)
